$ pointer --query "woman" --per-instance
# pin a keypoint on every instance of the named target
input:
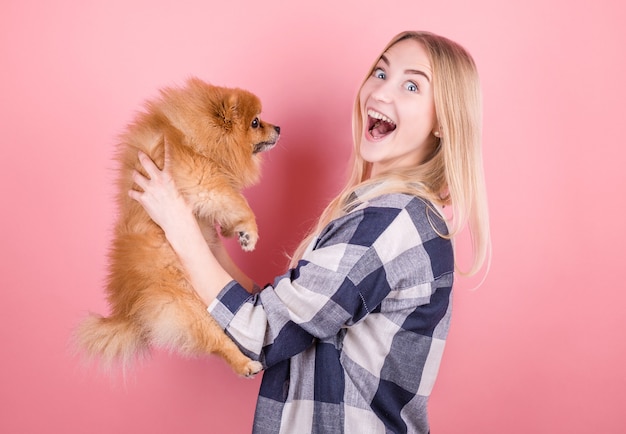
(351, 336)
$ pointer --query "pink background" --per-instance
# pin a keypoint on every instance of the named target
(540, 347)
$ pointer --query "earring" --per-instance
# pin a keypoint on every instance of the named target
(436, 133)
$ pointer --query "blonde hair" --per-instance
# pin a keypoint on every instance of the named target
(453, 174)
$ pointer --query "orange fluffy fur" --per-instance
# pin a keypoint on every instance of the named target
(214, 139)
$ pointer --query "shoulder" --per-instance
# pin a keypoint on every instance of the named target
(400, 235)
(414, 246)
(393, 212)
(422, 214)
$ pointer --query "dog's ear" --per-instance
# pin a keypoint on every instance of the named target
(227, 111)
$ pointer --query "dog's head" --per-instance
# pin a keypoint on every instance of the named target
(222, 124)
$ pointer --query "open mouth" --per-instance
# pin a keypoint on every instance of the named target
(379, 125)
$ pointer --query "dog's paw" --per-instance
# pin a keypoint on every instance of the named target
(252, 368)
(247, 240)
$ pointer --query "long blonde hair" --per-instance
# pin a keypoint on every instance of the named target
(453, 174)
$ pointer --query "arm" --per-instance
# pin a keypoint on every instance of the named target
(335, 285)
(208, 272)
(384, 250)
(222, 256)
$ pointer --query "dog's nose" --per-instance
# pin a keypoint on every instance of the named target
(277, 128)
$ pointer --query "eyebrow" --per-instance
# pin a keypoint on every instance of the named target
(407, 71)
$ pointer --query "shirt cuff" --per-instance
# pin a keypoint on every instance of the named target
(228, 302)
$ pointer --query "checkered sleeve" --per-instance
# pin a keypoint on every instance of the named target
(346, 274)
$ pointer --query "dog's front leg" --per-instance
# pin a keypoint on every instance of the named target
(229, 209)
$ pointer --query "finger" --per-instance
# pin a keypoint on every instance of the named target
(140, 180)
(146, 162)
(135, 195)
(168, 154)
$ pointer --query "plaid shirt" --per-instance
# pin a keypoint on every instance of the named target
(352, 337)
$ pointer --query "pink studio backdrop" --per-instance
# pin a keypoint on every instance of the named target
(540, 347)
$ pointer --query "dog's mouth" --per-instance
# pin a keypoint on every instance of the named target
(267, 144)
(264, 146)
(378, 124)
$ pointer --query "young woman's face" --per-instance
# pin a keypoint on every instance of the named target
(398, 109)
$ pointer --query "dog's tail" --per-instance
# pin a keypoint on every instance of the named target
(114, 342)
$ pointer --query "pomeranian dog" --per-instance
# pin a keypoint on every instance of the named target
(214, 138)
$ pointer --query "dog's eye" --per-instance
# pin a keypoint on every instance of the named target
(255, 123)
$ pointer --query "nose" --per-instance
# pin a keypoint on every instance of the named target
(382, 92)
(277, 129)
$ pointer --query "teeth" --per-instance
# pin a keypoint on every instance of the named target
(382, 117)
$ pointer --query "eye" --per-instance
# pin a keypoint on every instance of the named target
(255, 123)
(379, 73)
(411, 87)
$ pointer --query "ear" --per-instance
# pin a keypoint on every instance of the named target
(227, 111)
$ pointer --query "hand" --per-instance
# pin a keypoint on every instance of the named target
(209, 268)
(160, 197)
